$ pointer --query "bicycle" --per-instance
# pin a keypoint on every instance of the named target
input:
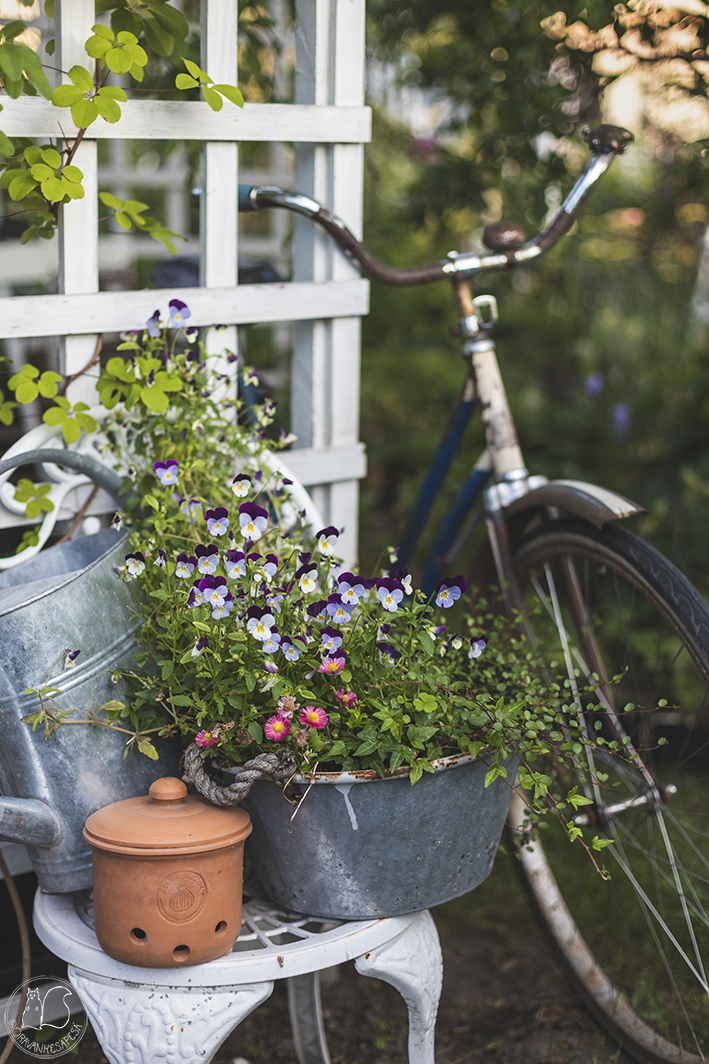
(605, 603)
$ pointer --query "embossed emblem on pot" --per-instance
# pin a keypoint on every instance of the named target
(181, 896)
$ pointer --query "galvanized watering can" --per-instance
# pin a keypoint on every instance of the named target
(66, 598)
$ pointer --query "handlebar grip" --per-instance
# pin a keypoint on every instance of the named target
(606, 139)
(245, 201)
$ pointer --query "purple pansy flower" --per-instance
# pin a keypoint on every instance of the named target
(338, 610)
(267, 569)
(161, 560)
(235, 562)
(199, 646)
(194, 599)
(241, 485)
(331, 639)
(388, 654)
(191, 333)
(179, 313)
(327, 538)
(185, 566)
(223, 609)
(271, 643)
(351, 588)
(270, 667)
(307, 577)
(259, 623)
(274, 600)
(291, 651)
(207, 558)
(448, 591)
(135, 563)
(214, 591)
(390, 593)
(404, 576)
(217, 521)
(477, 645)
(153, 324)
(317, 611)
(253, 520)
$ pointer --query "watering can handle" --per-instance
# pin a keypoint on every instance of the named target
(82, 463)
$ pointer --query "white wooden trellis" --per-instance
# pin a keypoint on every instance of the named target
(328, 123)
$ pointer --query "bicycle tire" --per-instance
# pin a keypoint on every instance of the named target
(621, 941)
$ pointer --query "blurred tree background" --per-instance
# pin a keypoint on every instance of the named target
(603, 344)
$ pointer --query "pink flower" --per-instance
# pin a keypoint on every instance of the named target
(207, 738)
(332, 665)
(277, 728)
(313, 717)
(348, 698)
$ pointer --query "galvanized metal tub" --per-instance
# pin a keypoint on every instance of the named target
(69, 597)
(361, 847)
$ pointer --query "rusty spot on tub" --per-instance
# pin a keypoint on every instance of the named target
(280, 961)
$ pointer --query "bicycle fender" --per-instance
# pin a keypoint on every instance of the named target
(595, 504)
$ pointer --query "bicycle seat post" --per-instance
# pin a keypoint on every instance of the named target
(478, 319)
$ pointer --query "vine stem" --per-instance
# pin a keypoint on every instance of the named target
(92, 362)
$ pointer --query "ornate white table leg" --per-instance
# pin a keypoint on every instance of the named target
(139, 1024)
(413, 964)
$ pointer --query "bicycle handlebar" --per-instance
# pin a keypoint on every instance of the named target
(605, 142)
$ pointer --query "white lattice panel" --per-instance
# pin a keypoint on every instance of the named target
(328, 123)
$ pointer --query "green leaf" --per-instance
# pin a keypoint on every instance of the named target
(97, 47)
(81, 78)
(87, 423)
(426, 641)
(54, 416)
(48, 384)
(146, 747)
(108, 109)
(232, 94)
(14, 89)
(103, 31)
(255, 731)
(7, 148)
(213, 98)
(194, 69)
(11, 61)
(113, 92)
(72, 189)
(167, 670)
(124, 220)
(162, 42)
(12, 29)
(42, 172)
(51, 157)
(21, 185)
(72, 173)
(110, 200)
(84, 113)
(171, 19)
(184, 81)
(53, 189)
(66, 95)
(155, 399)
(71, 430)
(118, 60)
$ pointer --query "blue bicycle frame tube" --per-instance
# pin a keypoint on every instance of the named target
(471, 490)
(434, 481)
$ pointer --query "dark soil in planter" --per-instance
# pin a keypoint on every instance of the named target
(504, 1000)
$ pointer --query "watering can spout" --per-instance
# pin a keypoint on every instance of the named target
(82, 463)
(28, 821)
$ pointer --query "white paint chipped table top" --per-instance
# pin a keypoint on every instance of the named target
(182, 1015)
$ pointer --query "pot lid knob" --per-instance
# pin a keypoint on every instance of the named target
(168, 791)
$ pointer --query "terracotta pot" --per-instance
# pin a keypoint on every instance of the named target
(168, 872)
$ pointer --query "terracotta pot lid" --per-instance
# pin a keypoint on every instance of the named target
(166, 821)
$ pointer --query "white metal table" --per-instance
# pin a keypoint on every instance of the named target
(182, 1015)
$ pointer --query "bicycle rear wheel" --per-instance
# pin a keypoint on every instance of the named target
(637, 947)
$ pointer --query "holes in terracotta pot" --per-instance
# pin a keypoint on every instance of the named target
(137, 935)
(220, 928)
(181, 953)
